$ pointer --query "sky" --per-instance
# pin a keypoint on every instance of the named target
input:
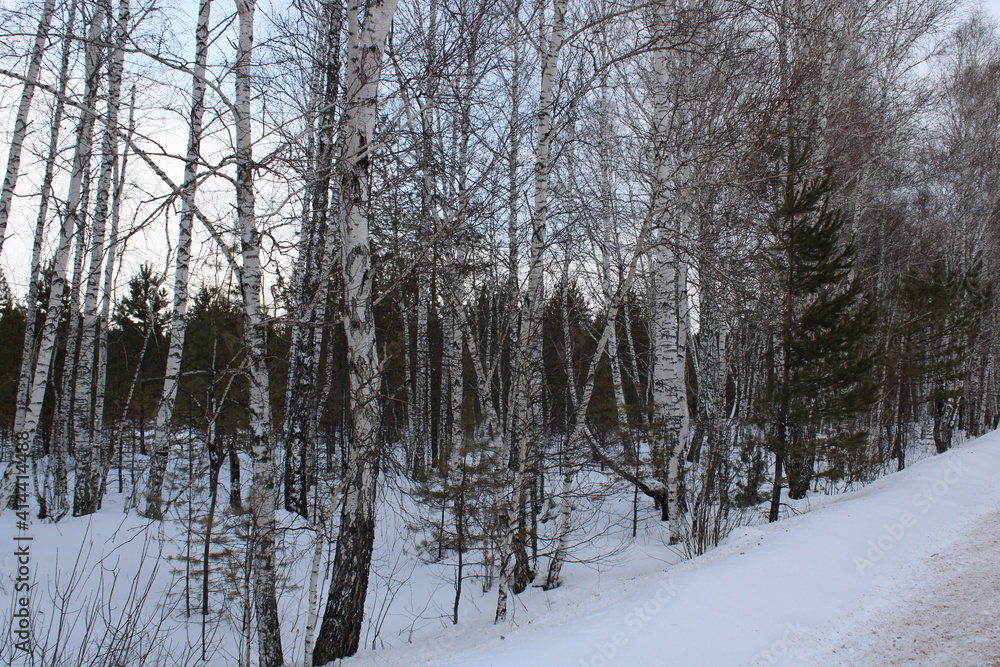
(146, 246)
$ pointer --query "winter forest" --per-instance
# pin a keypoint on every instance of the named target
(326, 325)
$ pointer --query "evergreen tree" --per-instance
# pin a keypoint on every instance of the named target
(819, 378)
(11, 334)
(941, 310)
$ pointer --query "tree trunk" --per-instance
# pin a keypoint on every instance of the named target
(669, 387)
(313, 276)
(340, 632)
(527, 382)
(88, 446)
(47, 345)
(262, 490)
(178, 322)
(23, 114)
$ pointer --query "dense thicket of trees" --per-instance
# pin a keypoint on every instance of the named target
(488, 253)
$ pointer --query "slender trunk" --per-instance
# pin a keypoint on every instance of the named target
(109, 270)
(178, 322)
(47, 345)
(319, 527)
(22, 118)
(31, 310)
(527, 380)
(62, 424)
(608, 241)
(88, 446)
(315, 262)
(262, 490)
(565, 526)
(422, 382)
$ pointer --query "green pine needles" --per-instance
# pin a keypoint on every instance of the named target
(820, 371)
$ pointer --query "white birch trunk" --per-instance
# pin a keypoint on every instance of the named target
(113, 249)
(178, 322)
(31, 309)
(58, 500)
(668, 379)
(47, 344)
(340, 632)
(607, 242)
(262, 488)
(319, 526)
(21, 120)
(565, 526)
(88, 445)
(527, 382)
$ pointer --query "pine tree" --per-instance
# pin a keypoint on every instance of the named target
(820, 376)
(941, 310)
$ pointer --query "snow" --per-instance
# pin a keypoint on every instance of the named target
(897, 571)
(772, 595)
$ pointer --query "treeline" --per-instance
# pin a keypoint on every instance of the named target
(496, 255)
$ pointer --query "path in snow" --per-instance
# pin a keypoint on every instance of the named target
(903, 571)
(948, 615)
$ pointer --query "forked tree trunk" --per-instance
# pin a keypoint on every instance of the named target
(88, 446)
(527, 381)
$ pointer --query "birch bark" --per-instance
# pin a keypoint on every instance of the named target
(316, 255)
(88, 445)
(47, 340)
(527, 382)
(178, 322)
(668, 382)
(262, 488)
(21, 120)
(45, 196)
(340, 632)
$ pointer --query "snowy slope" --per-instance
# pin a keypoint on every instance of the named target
(773, 595)
(820, 588)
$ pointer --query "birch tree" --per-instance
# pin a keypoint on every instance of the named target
(47, 339)
(21, 121)
(527, 381)
(88, 444)
(262, 490)
(316, 255)
(339, 635)
(178, 322)
(672, 176)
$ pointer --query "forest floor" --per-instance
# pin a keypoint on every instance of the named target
(903, 571)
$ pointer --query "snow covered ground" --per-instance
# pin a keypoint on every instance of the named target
(900, 572)
(903, 571)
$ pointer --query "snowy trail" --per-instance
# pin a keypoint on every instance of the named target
(949, 615)
(900, 572)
